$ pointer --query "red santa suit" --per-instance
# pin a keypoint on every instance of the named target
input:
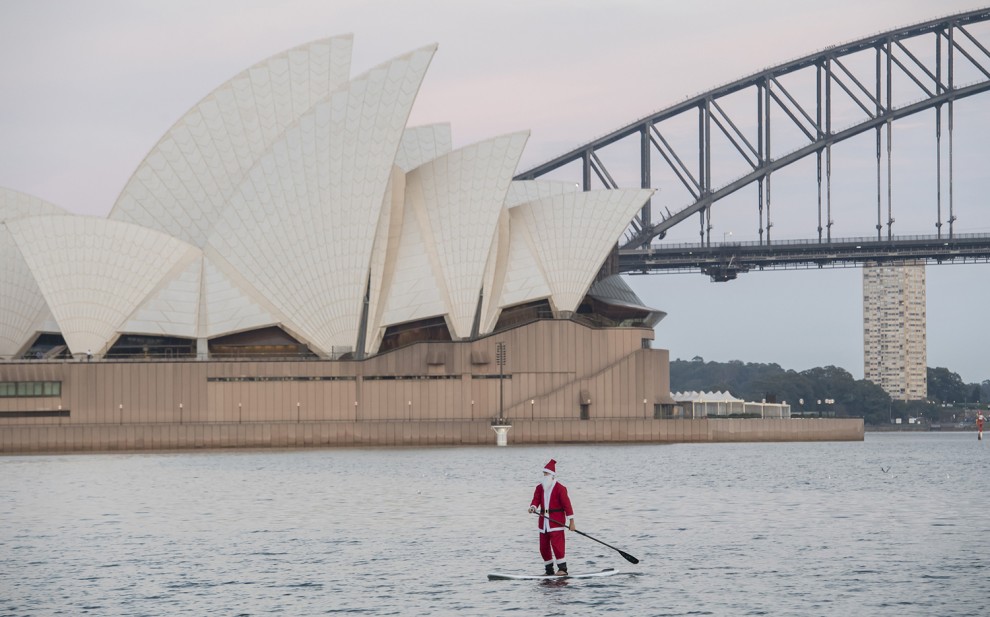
(552, 504)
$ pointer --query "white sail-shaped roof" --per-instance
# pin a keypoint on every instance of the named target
(495, 270)
(523, 278)
(572, 234)
(421, 144)
(294, 197)
(15, 205)
(22, 306)
(173, 308)
(95, 272)
(301, 226)
(185, 181)
(418, 145)
(383, 255)
(460, 196)
(228, 304)
(521, 191)
(413, 291)
(199, 301)
(527, 284)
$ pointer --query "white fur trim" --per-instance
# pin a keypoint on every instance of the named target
(546, 507)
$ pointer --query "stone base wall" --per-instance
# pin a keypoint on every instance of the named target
(140, 437)
(556, 373)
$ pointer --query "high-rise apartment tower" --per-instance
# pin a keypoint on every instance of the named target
(894, 339)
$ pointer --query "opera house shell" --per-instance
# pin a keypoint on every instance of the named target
(293, 215)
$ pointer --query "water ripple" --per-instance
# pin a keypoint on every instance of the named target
(720, 529)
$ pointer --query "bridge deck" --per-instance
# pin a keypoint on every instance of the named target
(723, 262)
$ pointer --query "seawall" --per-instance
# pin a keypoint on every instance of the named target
(190, 436)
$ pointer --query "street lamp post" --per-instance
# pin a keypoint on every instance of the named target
(500, 425)
(500, 360)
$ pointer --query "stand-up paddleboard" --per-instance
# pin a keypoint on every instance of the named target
(499, 576)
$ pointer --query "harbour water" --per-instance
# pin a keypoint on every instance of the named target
(894, 525)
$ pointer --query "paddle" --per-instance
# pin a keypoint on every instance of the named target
(624, 554)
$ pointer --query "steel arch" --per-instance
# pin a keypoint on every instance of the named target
(935, 78)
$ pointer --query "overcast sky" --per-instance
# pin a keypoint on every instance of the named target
(89, 87)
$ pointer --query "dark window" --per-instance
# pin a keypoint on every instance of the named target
(21, 389)
(661, 411)
(60, 413)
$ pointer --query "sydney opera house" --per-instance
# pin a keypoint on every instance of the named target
(291, 264)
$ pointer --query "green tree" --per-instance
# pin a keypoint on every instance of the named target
(869, 401)
(945, 386)
(754, 382)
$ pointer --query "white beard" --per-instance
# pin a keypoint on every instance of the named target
(547, 482)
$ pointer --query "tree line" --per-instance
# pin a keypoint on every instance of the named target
(831, 390)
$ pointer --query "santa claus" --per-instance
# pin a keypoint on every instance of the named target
(550, 500)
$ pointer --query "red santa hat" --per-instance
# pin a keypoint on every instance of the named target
(551, 468)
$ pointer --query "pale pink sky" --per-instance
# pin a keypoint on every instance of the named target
(89, 87)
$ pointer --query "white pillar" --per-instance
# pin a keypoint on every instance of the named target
(501, 434)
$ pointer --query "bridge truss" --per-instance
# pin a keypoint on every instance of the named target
(863, 86)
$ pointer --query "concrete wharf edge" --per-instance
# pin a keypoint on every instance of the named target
(42, 439)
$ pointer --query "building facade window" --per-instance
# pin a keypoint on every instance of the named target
(27, 389)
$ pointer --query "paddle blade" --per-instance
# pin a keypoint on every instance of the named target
(628, 557)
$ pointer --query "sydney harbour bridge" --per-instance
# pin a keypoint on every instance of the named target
(718, 154)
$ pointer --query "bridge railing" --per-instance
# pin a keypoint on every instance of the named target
(813, 242)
